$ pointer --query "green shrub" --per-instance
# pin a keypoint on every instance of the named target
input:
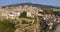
(6, 26)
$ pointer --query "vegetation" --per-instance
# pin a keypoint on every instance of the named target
(24, 22)
(47, 10)
(23, 14)
(57, 13)
(50, 11)
(6, 26)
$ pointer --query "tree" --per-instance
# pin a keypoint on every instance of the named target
(57, 13)
(23, 14)
(48, 11)
(6, 26)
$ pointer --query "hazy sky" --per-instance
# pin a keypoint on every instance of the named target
(45, 2)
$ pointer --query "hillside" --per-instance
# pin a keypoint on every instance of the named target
(36, 5)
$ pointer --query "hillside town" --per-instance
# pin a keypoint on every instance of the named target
(28, 18)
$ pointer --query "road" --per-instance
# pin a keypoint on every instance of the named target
(57, 29)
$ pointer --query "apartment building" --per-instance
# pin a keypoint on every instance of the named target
(14, 12)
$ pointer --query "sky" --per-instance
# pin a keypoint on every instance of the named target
(44, 2)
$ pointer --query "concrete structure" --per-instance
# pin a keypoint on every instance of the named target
(28, 14)
(16, 11)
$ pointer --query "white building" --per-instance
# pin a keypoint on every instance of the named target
(11, 16)
(29, 14)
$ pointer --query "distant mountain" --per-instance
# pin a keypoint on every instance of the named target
(37, 5)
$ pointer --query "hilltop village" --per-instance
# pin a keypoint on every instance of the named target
(14, 12)
(28, 18)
